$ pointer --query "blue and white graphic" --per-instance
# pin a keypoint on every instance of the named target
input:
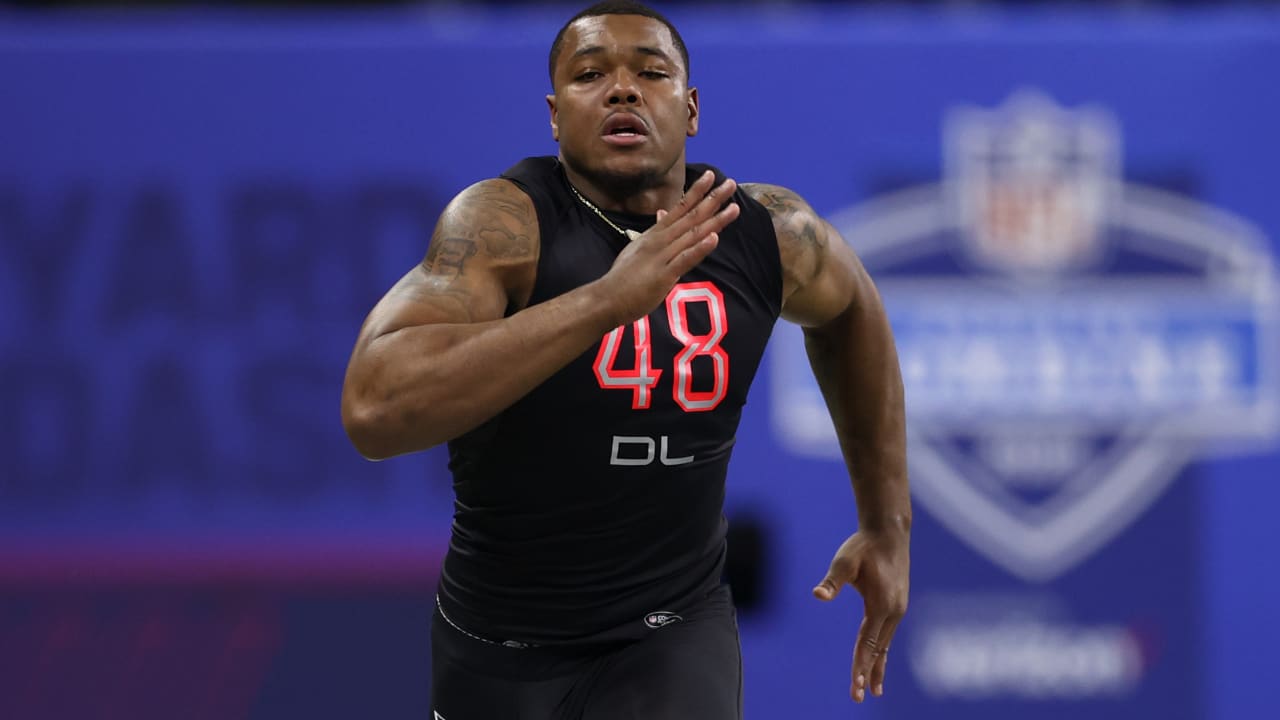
(1069, 341)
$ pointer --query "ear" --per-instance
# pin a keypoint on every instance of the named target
(555, 117)
(692, 128)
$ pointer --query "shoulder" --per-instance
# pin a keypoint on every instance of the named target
(509, 198)
(495, 200)
(788, 210)
(803, 237)
(493, 223)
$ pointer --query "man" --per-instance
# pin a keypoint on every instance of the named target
(583, 332)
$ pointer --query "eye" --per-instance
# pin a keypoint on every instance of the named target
(653, 74)
(586, 76)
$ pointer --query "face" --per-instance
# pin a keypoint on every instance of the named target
(622, 107)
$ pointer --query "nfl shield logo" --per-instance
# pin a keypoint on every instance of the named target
(1029, 182)
(1095, 337)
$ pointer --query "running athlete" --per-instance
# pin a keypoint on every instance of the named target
(582, 333)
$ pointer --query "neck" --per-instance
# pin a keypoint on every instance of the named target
(643, 195)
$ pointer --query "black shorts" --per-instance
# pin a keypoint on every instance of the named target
(680, 666)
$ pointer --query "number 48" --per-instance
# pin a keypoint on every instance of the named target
(641, 379)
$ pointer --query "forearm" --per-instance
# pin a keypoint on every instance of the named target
(422, 385)
(856, 365)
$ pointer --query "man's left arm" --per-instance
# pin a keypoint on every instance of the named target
(828, 292)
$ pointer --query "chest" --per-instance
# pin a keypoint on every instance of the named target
(696, 352)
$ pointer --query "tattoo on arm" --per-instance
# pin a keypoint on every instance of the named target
(447, 257)
(493, 218)
(503, 244)
(815, 248)
(484, 236)
(802, 235)
(504, 226)
(452, 298)
(505, 199)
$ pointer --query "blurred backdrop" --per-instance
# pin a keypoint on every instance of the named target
(1071, 210)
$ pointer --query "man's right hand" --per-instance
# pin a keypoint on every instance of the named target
(652, 264)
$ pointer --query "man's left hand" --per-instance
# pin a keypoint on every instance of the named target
(877, 565)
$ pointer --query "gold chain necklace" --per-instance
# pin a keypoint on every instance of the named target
(628, 234)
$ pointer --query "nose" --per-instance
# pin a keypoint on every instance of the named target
(624, 90)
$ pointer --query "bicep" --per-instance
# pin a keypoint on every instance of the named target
(827, 278)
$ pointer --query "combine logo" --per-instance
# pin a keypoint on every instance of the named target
(1069, 342)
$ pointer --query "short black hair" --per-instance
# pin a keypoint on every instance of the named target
(617, 7)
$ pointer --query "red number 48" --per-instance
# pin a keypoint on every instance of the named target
(642, 378)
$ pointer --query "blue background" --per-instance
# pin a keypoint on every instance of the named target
(196, 212)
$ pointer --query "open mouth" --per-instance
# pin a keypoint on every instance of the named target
(625, 125)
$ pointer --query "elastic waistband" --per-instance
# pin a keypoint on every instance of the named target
(515, 644)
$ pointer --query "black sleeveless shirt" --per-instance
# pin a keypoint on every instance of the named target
(598, 497)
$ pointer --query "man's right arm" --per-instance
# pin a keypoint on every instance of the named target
(436, 358)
